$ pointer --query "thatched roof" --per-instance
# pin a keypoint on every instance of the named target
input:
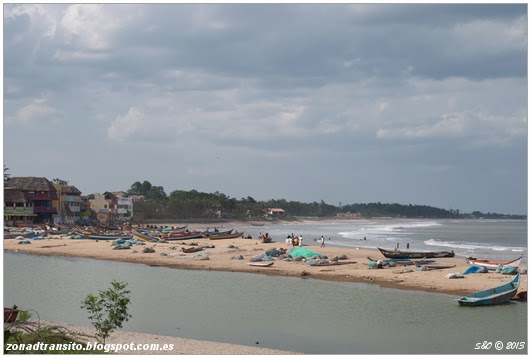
(30, 184)
(70, 189)
(15, 196)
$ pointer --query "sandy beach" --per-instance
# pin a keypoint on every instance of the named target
(133, 343)
(352, 269)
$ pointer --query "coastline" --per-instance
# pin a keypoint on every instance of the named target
(180, 345)
(352, 269)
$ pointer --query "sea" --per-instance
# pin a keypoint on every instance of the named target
(294, 313)
(486, 239)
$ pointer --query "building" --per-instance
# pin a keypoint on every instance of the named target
(276, 212)
(112, 208)
(85, 213)
(18, 208)
(348, 215)
(68, 204)
(39, 190)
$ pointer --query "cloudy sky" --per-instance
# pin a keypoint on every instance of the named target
(420, 104)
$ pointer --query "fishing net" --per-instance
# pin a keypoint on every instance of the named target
(304, 252)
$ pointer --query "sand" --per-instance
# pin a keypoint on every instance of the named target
(174, 345)
(353, 269)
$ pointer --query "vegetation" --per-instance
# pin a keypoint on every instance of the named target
(28, 339)
(59, 181)
(108, 311)
(7, 176)
(181, 204)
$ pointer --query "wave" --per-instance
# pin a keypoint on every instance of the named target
(398, 228)
(458, 245)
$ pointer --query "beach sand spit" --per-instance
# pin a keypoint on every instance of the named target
(220, 258)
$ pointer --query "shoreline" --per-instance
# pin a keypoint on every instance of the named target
(353, 269)
(184, 346)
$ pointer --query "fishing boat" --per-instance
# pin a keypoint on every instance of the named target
(191, 249)
(217, 232)
(262, 263)
(394, 254)
(10, 314)
(233, 235)
(493, 264)
(492, 296)
(107, 236)
(196, 235)
(405, 262)
(142, 236)
(265, 238)
(433, 267)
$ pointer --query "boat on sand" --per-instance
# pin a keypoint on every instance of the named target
(397, 254)
(492, 296)
(493, 264)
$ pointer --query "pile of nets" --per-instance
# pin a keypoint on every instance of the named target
(304, 252)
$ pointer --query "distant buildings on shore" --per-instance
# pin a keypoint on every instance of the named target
(31, 200)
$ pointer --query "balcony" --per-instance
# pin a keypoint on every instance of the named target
(18, 211)
(45, 196)
(45, 210)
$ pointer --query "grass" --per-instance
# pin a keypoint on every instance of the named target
(43, 340)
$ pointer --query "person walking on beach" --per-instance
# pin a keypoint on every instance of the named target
(300, 241)
(322, 241)
(407, 246)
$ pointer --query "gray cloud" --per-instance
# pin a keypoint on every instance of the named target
(351, 98)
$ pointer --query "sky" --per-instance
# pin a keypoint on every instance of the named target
(347, 103)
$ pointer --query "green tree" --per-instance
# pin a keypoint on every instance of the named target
(108, 311)
(7, 176)
(59, 181)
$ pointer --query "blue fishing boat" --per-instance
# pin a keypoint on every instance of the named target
(492, 296)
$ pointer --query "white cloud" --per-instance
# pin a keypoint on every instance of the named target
(38, 109)
(123, 127)
(93, 25)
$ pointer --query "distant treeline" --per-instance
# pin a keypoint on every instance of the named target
(192, 204)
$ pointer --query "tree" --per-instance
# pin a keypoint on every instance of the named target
(7, 176)
(59, 181)
(108, 311)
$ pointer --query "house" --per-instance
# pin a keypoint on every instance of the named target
(85, 212)
(348, 215)
(276, 212)
(39, 190)
(68, 204)
(111, 208)
(18, 208)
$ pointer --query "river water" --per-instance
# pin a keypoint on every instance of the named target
(294, 314)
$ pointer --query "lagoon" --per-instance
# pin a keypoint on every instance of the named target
(294, 314)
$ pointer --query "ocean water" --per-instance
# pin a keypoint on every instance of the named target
(489, 239)
(288, 313)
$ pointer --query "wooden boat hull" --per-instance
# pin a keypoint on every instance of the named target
(262, 264)
(10, 314)
(191, 249)
(493, 264)
(391, 254)
(188, 237)
(144, 237)
(405, 262)
(227, 236)
(107, 237)
(492, 296)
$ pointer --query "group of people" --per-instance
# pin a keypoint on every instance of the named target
(293, 240)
